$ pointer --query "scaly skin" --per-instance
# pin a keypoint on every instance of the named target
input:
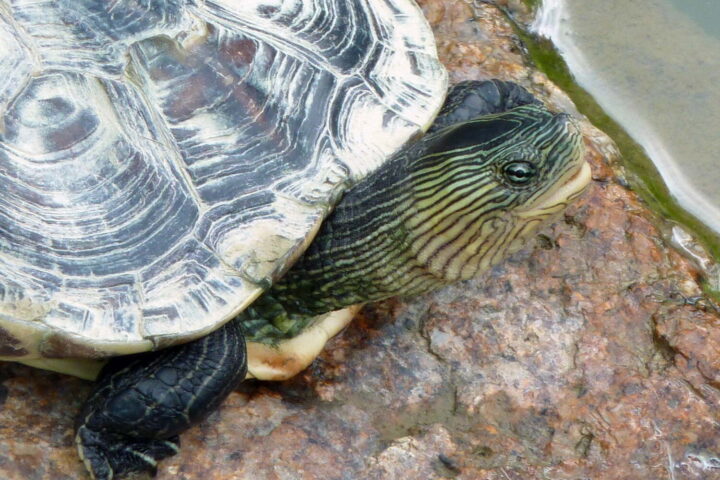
(142, 402)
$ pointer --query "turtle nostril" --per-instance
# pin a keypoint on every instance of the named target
(562, 117)
(567, 122)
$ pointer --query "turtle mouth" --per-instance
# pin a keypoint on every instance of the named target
(570, 187)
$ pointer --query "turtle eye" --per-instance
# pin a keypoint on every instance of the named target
(519, 172)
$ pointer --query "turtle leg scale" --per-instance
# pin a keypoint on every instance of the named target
(142, 402)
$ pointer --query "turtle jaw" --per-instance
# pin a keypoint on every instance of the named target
(570, 186)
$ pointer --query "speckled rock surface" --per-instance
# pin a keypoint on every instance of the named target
(584, 356)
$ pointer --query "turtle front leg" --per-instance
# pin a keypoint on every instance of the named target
(141, 403)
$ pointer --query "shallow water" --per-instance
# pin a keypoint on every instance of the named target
(653, 65)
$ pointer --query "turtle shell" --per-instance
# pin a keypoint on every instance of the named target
(162, 162)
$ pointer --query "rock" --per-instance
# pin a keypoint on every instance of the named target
(589, 354)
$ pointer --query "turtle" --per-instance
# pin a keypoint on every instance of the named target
(196, 193)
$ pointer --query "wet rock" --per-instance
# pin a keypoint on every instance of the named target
(589, 354)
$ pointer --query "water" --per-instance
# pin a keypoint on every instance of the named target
(705, 13)
(653, 65)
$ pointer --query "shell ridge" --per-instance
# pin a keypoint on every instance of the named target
(287, 40)
(161, 126)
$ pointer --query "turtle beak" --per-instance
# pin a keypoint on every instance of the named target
(572, 183)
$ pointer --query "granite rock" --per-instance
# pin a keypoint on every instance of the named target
(590, 354)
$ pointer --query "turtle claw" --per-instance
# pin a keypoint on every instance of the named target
(109, 455)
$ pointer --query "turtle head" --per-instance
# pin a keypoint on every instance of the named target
(482, 187)
(443, 209)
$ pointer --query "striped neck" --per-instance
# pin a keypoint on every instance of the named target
(362, 252)
(399, 232)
